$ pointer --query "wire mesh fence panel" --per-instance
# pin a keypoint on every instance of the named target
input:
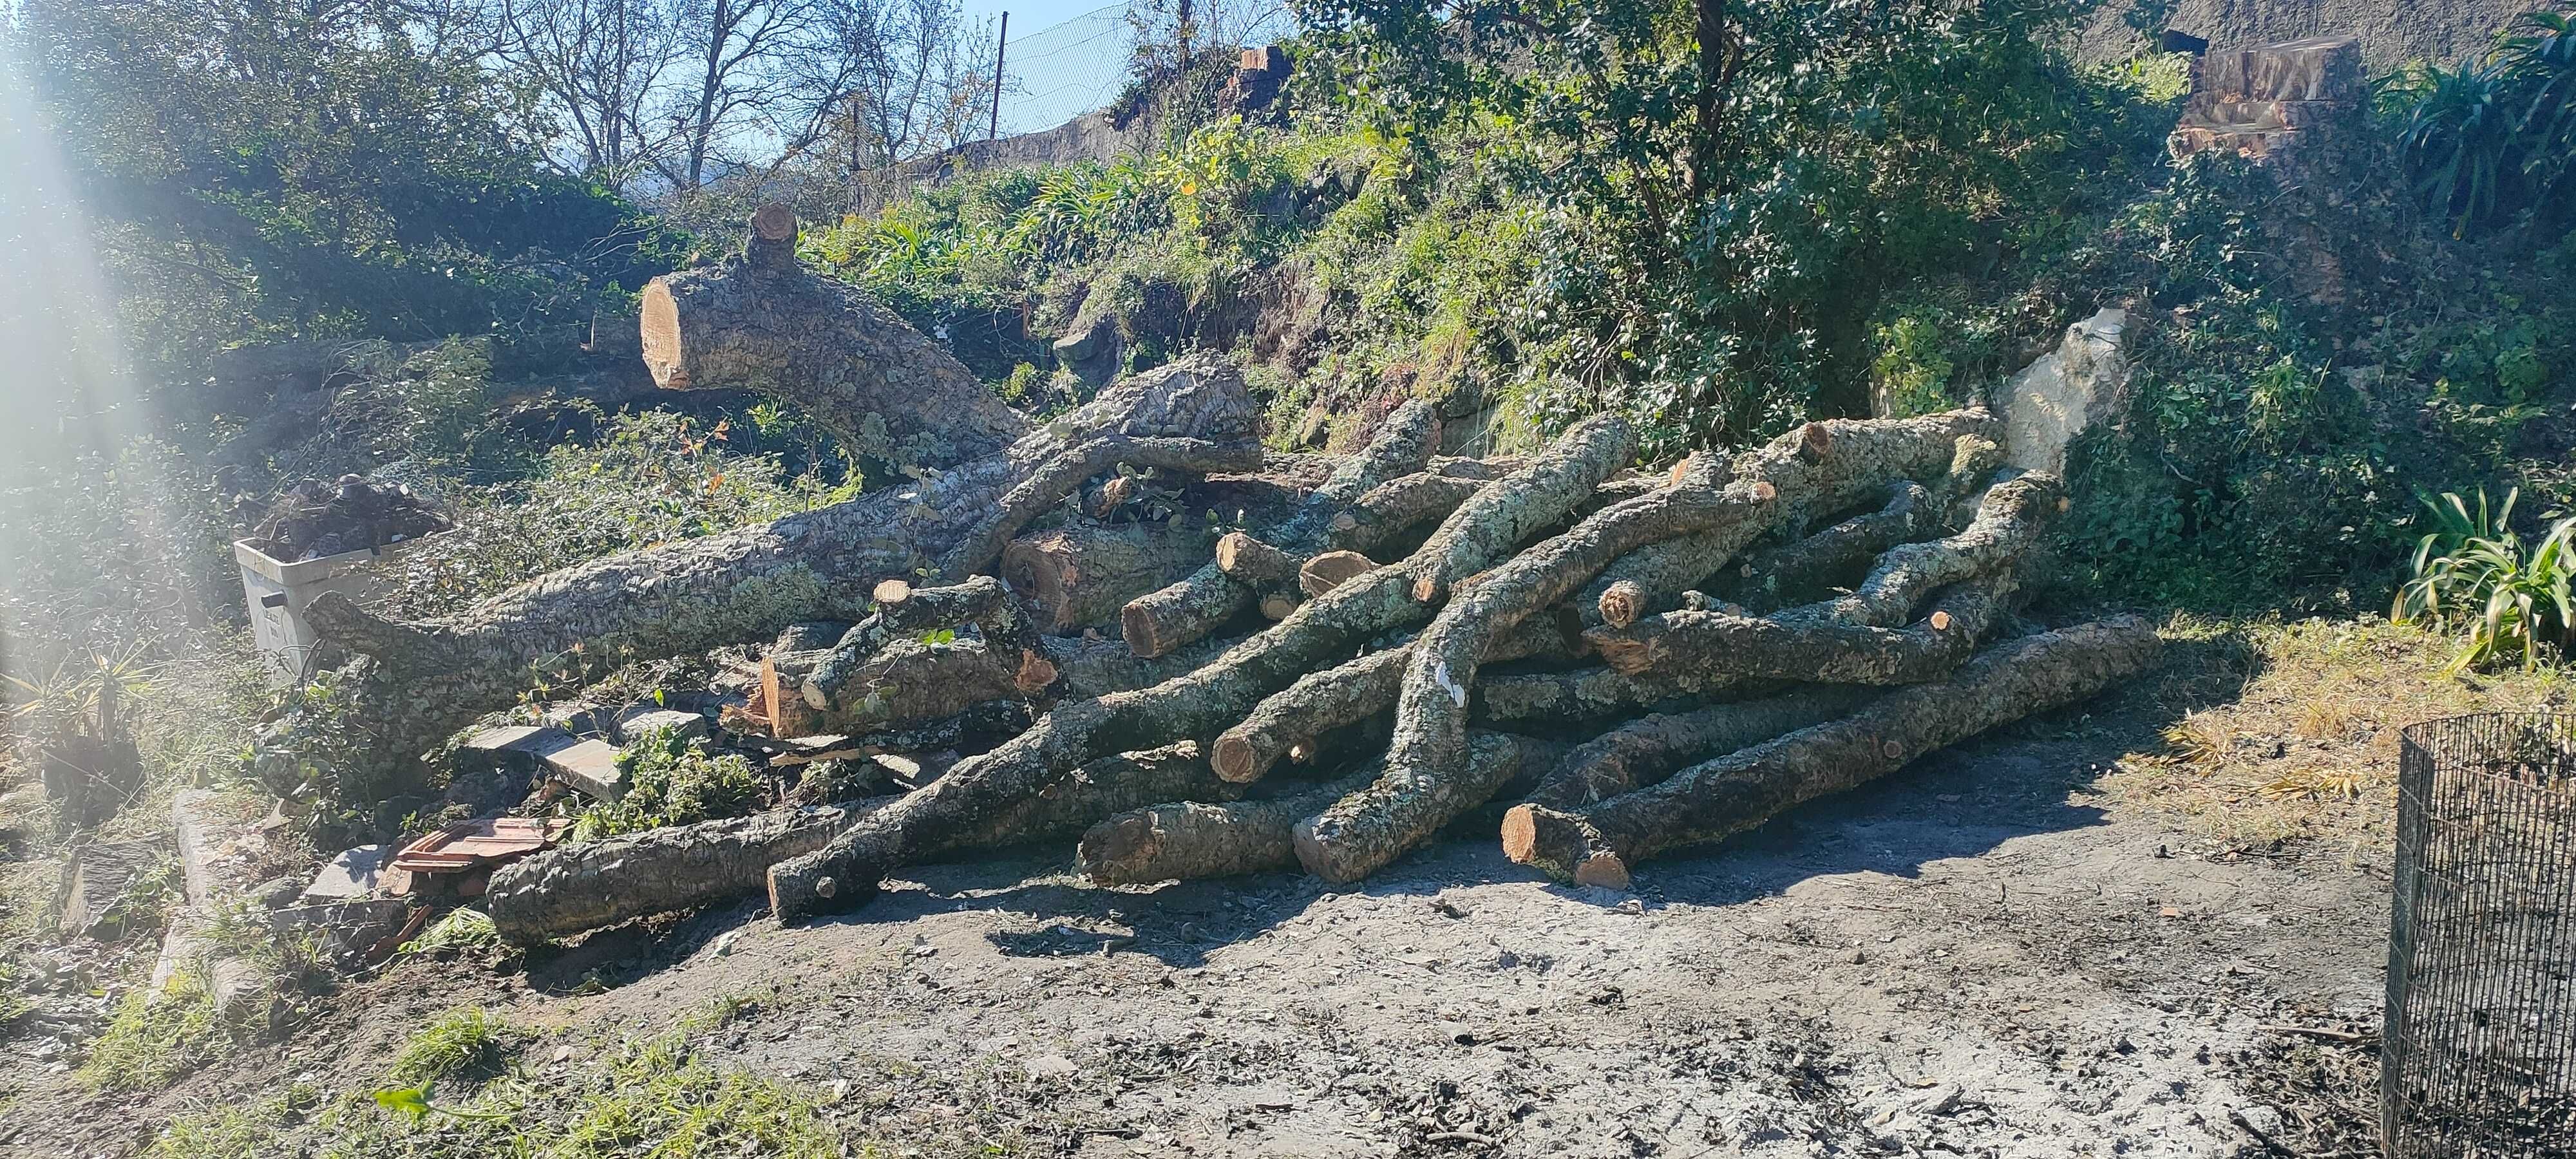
(2479, 1054)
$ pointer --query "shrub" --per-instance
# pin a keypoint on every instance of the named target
(2474, 576)
(671, 779)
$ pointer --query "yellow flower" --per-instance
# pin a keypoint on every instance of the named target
(1189, 189)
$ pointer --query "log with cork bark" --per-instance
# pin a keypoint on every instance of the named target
(1217, 659)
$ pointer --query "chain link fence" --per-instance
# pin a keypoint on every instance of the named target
(2479, 1052)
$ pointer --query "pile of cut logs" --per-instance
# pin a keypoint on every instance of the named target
(1317, 662)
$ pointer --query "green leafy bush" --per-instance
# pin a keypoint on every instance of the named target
(2493, 140)
(671, 779)
(2473, 575)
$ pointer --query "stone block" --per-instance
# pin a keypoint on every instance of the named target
(510, 748)
(642, 722)
(100, 876)
(590, 767)
(349, 877)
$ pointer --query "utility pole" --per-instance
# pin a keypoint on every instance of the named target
(1000, 43)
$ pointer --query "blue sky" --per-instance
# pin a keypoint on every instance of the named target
(1067, 58)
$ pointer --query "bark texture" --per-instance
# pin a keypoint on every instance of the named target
(1473, 538)
(1716, 799)
(1705, 647)
(1643, 751)
(820, 345)
(1207, 598)
(1194, 839)
(1820, 468)
(429, 679)
(1080, 574)
(1367, 829)
(572, 888)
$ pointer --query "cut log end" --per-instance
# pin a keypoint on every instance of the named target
(1602, 869)
(1035, 675)
(1332, 569)
(1520, 834)
(1278, 605)
(774, 222)
(1622, 603)
(1941, 621)
(893, 591)
(663, 356)
(1234, 759)
(1114, 851)
(1136, 626)
(1814, 442)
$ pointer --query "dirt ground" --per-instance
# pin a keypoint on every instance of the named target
(1971, 958)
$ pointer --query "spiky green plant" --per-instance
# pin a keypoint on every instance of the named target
(2474, 575)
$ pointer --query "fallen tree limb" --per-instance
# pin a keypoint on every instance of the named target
(1770, 579)
(1820, 468)
(429, 679)
(1079, 575)
(1472, 538)
(1193, 839)
(1366, 833)
(1321, 701)
(2013, 516)
(1642, 751)
(1581, 694)
(1711, 801)
(572, 888)
(1707, 647)
(1201, 603)
(1426, 783)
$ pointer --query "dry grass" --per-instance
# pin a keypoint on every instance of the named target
(2289, 732)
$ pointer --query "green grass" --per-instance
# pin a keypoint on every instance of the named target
(464, 1041)
(653, 1098)
(154, 1039)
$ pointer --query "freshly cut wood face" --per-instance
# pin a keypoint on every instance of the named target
(662, 338)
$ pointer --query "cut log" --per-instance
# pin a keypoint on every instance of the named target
(1427, 781)
(1193, 839)
(1643, 751)
(1207, 598)
(572, 888)
(1427, 757)
(429, 679)
(2013, 516)
(1582, 694)
(1386, 512)
(1800, 571)
(1080, 574)
(1711, 801)
(1320, 702)
(1366, 833)
(1249, 561)
(1708, 647)
(1474, 537)
(1622, 602)
(820, 345)
(1820, 468)
(858, 669)
(1330, 570)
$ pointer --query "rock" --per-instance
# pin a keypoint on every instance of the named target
(2066, 390)
(100, 876)
(1048, 1066)
(344, 932)
(274, 894)
(589, 767)
(515, 747)
(1091, 348)
(349, 877)
(642, 722)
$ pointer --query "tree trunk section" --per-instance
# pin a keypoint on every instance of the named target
(1474, 537)
(1717, 799)
(1643, 751)
(429, 679)
(573, 888)
(1359, 833)
(1192, 839)
(821, 346)
(1081, 574)
(1207, 598)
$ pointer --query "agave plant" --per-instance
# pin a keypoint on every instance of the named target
(2496, 137)
(2473, 574)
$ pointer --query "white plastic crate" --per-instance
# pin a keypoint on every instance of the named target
(278, 592)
